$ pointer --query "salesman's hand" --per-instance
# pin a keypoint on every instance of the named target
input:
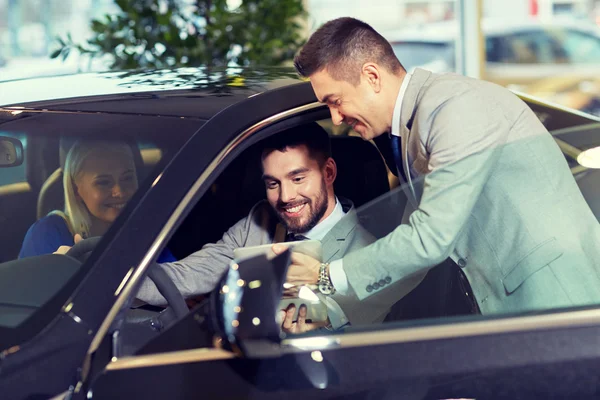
(288, 325)
(304, 269)
(63, 249)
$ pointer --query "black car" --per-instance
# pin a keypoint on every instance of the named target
(70, 326)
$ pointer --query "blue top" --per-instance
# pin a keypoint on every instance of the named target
(51, 232)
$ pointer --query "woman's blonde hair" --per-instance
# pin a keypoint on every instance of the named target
(76, 213)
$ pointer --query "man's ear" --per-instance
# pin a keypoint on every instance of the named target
(330, 171)
(372, 75)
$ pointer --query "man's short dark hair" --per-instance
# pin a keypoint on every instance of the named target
(342, 46)
(315, 138)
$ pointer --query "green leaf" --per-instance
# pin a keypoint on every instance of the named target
(55, 53)
(65, 53)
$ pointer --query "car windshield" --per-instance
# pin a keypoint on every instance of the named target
(65, 179)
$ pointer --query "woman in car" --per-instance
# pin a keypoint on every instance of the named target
(99, 178)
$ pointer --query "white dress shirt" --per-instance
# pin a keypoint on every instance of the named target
(336, 268)
(319, 231)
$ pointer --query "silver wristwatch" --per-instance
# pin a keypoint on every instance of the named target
(324, 282)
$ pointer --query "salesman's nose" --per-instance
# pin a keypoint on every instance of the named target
(336, 116)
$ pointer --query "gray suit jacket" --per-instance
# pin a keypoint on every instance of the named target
(493, 191)
(201, 271)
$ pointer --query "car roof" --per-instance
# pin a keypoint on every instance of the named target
(125, 91)
(446, 31)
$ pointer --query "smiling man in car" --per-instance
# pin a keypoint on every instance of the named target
(299, 174)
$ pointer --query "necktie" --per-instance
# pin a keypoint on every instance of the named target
(294, 237)
(397, 150)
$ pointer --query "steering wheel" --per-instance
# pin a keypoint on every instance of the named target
(163, 283)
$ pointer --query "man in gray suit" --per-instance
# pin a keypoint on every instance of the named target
(299, 173)
(489, 186)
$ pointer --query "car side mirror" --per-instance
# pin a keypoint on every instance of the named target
(245, 306)
(11, 152)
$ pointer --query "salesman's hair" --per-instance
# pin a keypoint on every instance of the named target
(343, 46)
(315, 138)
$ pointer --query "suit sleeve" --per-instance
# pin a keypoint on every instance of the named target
(201, 271)
(466, 137)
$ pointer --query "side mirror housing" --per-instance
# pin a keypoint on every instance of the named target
(245, 305)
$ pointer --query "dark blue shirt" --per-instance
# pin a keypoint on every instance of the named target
(51, 232)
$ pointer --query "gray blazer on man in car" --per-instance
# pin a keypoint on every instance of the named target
(200, 272)
(493, 191)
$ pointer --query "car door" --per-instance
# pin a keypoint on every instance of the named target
(496, 356)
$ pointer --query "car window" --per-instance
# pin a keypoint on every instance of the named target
(580, 48)
(532, 47)
(80, 179)
(363, 177)
(493, 49)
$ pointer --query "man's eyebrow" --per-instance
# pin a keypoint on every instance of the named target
(297, 171)
(289, 174)
(326, 98)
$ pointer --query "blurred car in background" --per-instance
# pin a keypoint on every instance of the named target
(563, 53)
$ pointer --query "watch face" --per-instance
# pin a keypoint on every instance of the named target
(325, 289)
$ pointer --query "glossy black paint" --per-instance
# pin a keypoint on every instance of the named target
(560, 363)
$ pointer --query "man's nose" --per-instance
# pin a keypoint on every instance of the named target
(336, 116)
(287, 192)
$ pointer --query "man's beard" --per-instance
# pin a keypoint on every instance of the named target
(317, 210)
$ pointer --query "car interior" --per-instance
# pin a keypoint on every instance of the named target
(362, 177)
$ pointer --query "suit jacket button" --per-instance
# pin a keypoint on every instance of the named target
(376, 286)
(462, 262)
(369, 288)
(388, 280)
(382, 282)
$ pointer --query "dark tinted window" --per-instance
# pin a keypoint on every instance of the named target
(533, 47)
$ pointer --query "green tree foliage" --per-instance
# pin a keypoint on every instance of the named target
(158, 34)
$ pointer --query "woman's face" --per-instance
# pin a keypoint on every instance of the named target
(105, 184)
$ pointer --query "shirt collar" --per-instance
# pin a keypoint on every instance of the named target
(323, 227)
(398, 106)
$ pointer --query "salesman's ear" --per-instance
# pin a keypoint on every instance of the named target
(371, 73)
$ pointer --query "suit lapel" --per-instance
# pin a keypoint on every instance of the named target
(409, 107)
(335, 240)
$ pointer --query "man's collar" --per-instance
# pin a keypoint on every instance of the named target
(398, 105)
(418, 80)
